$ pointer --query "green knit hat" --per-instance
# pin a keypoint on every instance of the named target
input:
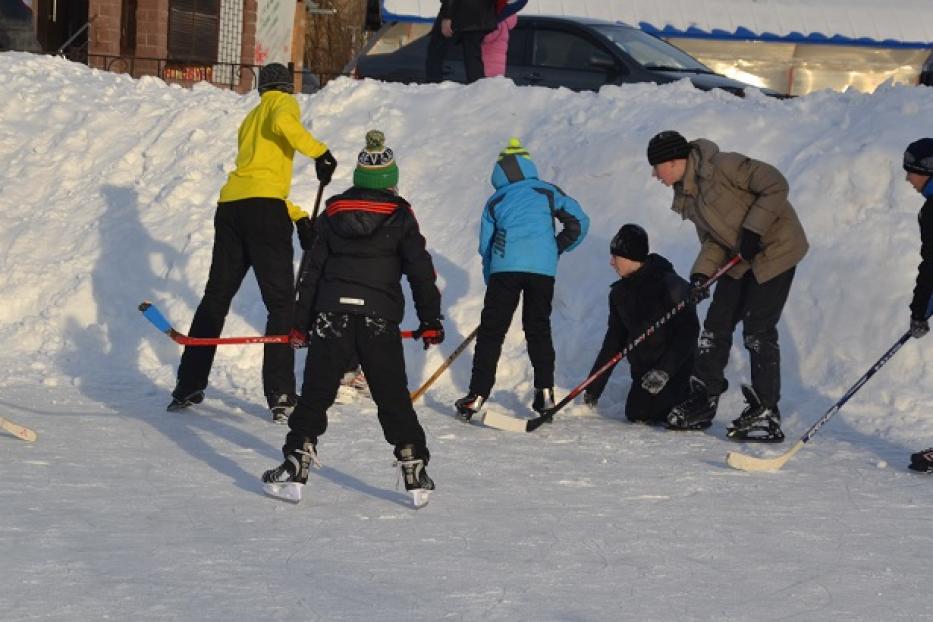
(375, 166)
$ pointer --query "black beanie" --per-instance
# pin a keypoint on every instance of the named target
(275, 77)
(666, 146)
(631, 242)
(919, 157)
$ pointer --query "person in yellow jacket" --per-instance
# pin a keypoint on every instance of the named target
(253, 229)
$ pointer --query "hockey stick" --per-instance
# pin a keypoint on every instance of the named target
(744, 462)
(440, 370)
(17, 430)
(151, 313)
(508, 423)
(303, 264)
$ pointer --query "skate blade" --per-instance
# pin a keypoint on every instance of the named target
(500, 421)
(286, 491)
(918, 469)
(420, 497)
(751, 439)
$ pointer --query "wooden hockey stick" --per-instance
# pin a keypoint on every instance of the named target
(509, 423)
(447, 363)
(17, 430)
(744, 462)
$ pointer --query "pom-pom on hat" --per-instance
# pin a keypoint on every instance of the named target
(275, 77)
(666, 146)
(631, 242)
(513, 164)
(375, 165)
(918, 158)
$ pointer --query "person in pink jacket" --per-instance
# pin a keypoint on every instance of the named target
(496, 43)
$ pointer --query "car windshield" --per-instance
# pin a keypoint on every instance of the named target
(650, 52)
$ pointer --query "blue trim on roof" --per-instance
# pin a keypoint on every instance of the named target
(740, 34)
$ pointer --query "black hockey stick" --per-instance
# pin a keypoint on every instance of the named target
(745, 462)
(512, 424)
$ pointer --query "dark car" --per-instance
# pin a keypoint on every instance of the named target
(926, 74)
(576, 53)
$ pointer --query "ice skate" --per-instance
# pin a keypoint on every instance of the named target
(412, 470)
(281, 406)
(180, 403)
(757, 423)
(922, 461)
(469, 405)
(287, 481)
(697, 411)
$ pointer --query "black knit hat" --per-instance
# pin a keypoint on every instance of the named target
(667, 145)
(631, 242)
(275, 77)
(919, 157)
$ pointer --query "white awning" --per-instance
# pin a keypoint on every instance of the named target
(888, 23)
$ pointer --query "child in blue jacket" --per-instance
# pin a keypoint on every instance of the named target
(519, 245)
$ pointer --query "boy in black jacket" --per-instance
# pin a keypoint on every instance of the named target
(661, 364)
(350, 301)
(918, 162)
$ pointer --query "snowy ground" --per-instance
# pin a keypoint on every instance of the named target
(122, 511)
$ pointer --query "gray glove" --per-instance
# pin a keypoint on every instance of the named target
(654, 381)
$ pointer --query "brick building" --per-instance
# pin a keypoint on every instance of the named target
(184, 41)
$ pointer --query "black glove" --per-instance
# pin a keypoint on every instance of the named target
(698, 293)
(305, 229)
(918, 328)
(324, 166)
(654, 381)
(749, 245)
(433, 339)
(590, 399)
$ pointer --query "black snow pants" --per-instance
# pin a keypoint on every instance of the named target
(758, 306)
(502, 294)
(249, 233)
(334, 339)
(438, 44)
(653, 409)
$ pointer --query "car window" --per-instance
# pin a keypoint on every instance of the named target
(648, 51)
(518, 43)
(563, 50)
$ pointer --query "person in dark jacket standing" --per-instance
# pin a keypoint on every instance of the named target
(519, 248)
(660, 366)
(351, 302)
(918, 162)
(739, 206)
(466, 22)
(253, 229)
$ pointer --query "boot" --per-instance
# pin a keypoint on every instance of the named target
(469, 405)
(922, 461)
(417, 481)
(544, 401)
(757, 423)
(287, 480)
(697, 411)
(182, 402)
(282, 406)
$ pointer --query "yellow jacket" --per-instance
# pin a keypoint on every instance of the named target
(268, 138)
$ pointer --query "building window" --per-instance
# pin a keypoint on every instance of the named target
(192, 30)
(128, 28)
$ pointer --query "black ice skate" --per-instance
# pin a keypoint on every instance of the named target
(697, 411)
(543, 402)
(281, 407)
(416, 477)
(757, 423)
(469, 405)
(180, 403)
(922, 461)
(287, 480)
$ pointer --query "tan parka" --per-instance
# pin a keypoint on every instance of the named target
(723, 192)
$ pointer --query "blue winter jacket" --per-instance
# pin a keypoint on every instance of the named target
(517, 231)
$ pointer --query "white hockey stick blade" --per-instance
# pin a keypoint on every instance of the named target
(420, 497)
(18, 431)
(286, 491)
(744, 462)
(500, 421)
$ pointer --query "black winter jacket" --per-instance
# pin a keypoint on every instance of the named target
(470, 15)
(635, 303)
(924, 287)
(365, 241)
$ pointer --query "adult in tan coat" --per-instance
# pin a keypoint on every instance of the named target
(739, 206)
